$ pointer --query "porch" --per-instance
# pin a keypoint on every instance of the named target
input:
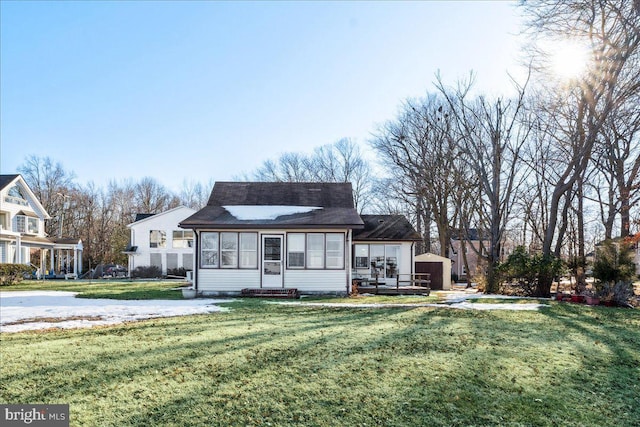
(405, 284)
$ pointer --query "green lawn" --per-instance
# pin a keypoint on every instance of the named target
(267, 364)
(112, 289)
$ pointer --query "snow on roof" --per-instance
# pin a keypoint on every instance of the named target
(254, 212)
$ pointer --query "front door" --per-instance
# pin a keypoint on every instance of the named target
(272, 261)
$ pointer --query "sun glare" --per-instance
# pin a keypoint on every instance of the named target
(568, 60)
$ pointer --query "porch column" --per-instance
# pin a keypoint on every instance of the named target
(52, 260)
(18, 250)
(75, 261)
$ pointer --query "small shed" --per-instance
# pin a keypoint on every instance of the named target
(439, 267)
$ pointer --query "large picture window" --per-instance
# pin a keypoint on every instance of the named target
(229, 250)
(157, 239)
(295, 250)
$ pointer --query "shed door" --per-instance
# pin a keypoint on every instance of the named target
(433, 268)
(272, 262)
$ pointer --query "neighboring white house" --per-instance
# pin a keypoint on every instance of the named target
(22, 233)
(157, 240)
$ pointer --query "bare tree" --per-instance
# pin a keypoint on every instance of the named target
(52, 185)
(612, 31)
(419, 150)
(492, 135)
(338, 162)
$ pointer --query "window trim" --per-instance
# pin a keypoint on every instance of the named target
(238, 251)
(304, 252)
(159, 245)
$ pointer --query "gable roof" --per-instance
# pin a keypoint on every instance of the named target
(277, 205)
(326, 195)
(141, 216)
(5, 180)
(386, 227)
(34, 203)
(147, 216)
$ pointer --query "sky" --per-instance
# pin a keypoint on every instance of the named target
(202, 91)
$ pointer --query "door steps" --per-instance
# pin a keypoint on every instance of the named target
(270, 293)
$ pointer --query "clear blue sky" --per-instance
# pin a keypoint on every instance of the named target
(208, 90)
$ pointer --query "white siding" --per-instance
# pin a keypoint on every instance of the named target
(168, 222)
(221, 280)
(316, 280)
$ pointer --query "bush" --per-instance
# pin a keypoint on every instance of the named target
(614, 262)
(181, 272)
(523, 270)
(13, 273)
(146, 272)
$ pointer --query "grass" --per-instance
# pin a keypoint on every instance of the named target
(111, 289)
(267, 364)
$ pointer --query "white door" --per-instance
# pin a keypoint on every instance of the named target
(272, 261)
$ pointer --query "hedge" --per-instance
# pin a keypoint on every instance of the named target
(12, 273)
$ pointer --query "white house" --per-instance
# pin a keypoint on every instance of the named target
(288, 235)
(158, 240)
(22, 233)
(281, 235)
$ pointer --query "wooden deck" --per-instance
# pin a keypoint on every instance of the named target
(409, 284)
(393, 290)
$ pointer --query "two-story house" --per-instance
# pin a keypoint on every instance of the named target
(157, 240)
(22, 233)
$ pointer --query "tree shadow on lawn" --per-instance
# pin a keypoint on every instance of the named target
(288, 365)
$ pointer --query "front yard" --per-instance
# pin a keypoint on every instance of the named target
(269, 364)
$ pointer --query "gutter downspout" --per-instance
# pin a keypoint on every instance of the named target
(413, 259)
(348, 251)
(196, 260)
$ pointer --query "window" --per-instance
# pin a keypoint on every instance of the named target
(209, 250)
(393, 254)
(21, 222)
(15, 195)
(182, 239)
(156, 260)
(157, 239)
(32, 225)
(172, 261)
(229, 250)
(248, 250)
(315, 250)
(27, 224)
(187, 262)
(236, 250)
(3, 221)
(362, 256)
(335, 250)
(295, 250)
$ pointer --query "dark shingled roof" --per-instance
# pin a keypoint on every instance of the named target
(386, 227)
(141, 216)
(6, 179)
(335, 199)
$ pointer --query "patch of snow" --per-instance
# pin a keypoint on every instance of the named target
(251, 212)
(20, 310)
